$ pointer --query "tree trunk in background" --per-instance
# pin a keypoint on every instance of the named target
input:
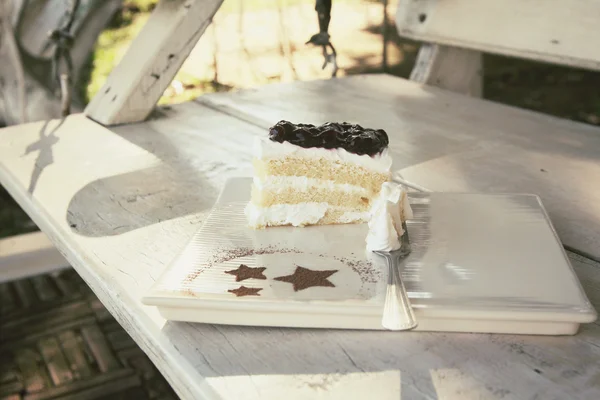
(28, 91)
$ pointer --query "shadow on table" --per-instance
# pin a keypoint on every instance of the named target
(44, 148)
(169, 189)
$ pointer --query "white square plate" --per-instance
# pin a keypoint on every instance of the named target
(479, 263)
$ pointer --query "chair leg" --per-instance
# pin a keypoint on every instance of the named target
(154, 57)
(451, 68)
(27, 255)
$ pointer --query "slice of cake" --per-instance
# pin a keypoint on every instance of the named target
(317, 175)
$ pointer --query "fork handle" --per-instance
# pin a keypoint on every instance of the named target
(398, 312)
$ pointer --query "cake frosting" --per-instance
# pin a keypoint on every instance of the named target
(388, 212)
(264, 148)
(301, 214)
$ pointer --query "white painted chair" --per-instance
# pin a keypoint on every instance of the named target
(28, 254)
(456, 32)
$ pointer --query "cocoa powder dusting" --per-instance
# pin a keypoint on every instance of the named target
(245, 291)
(230, 254)
(223, 255)
(304, 278)
(244, 272)
(365, 269)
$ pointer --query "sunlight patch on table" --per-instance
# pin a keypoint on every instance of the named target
(382, 385)
(452, 383)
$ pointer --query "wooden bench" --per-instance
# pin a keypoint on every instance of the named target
(28, 254)
(119, 201)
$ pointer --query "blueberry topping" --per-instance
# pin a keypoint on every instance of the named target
(276, 134)
(331, 135)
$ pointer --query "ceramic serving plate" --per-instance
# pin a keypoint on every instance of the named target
(479, 263)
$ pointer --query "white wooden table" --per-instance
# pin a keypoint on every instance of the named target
(120, 202)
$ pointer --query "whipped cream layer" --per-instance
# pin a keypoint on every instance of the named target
(276, 183)
(300, 214)
(264, 148)
(388, 212)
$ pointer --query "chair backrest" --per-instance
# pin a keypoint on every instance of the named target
(558, 31)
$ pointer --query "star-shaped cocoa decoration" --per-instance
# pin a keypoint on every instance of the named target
(245, 291)
(304, 278)
(245, 272)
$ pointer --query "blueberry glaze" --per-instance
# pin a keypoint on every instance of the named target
(331, 135)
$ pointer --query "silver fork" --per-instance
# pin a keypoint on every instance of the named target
(398, 314)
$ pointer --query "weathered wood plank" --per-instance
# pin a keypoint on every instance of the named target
(27, 255)
(94, 387)
(128, 354)
(119, 340)
(142, 365)
(98, 345)
(450, 68)
(124, 388)
(124, 243)
(69, 287)
(27, 325)
(12, 397)
(32, 370)
(100, 311)
(8, 300)
(55, 361)
(10, 384)
(110, 326)
(25, 293)
(44, 288)
(446, 142)
(75, 354)
(29, 338)
(8, 375)
(558, 31)
(153, 59)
